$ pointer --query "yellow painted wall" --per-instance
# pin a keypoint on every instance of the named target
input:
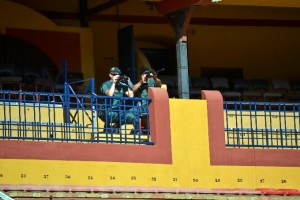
(31, 112)
(261, 119)
(190, 168)
(26, 18)
(106, 46)
(258, 50)
(253, 48)
(256, 124)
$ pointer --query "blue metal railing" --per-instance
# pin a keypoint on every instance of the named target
(70, 117)
(4, 196)
(262, 125)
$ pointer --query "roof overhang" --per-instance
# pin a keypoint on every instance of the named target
(165, 7)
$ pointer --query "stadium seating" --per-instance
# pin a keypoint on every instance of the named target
(11, 83)
(171, 82)
(6, 70)
(239, 88)
(198, 84)
(295, 91)
(29, 79)
(222, 84)
(9, 78)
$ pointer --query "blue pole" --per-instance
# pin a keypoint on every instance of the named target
(66, 93)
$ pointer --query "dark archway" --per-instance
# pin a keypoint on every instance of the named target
(23, 57)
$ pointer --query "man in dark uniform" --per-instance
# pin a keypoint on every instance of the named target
(115, 108)
(148, 78)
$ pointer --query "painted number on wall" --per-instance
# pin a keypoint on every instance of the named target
(262, 180)
(67, 176)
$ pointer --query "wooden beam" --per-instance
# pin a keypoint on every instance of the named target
(164, 20)
(128, 19)
(105, 6)
(180, 21)
(203, 3)
(168, 6)
(83, 5)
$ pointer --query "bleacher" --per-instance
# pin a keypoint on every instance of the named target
(44, 95)
(38, 80)
(239, 89)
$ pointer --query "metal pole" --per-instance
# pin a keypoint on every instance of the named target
(182, 69)
(181, 21)
(66, 103)
(94, 107)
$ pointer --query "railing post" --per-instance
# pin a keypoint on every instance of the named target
(92, 85)
(66, 103)
(93, 106)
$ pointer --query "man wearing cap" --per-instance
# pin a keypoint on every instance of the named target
(148, 79)
(115, 107)
(140, 89)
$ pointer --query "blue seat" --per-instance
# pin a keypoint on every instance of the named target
(222, 84)
(202, 83)
(241, 85)
(295, 91)
(198, 84)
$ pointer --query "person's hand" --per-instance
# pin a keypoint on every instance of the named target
(143, 78)
(153, 75)
(115, 78)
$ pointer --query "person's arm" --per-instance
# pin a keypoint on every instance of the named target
(130, 92)
(157, 81)
(137, 86)
(140, 83)
(111, 91)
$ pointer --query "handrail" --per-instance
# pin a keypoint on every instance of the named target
(48, 117)
(262, 124)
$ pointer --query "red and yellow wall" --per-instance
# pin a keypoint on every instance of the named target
(189, 154)
(257, 49)
(189, 151)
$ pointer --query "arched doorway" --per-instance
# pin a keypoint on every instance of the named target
(19, 58)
